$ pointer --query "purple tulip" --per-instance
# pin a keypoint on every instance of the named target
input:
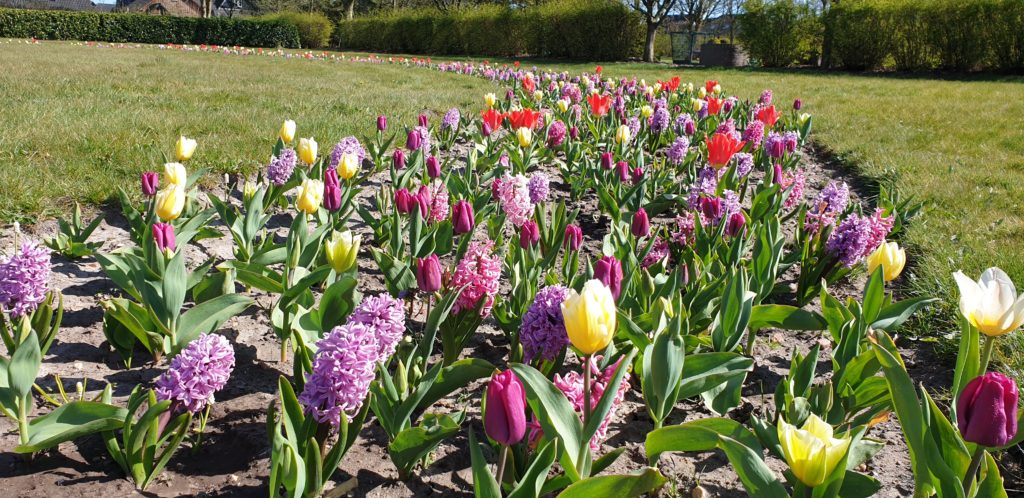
(641, 223)
(573, 237)
(485, 129)
(775, 146)
(433, 167)
(797, 104)
(622, 168)
(413, 141)
(727, 106)
(574, 133)
(428, 274)
(637, 174)
(462, 217)
(332, 190)
(404, 201)
(606, 160)
(424, 121)
(689, 128)
(777, 174)
(986, 411)
(423, 200)
(505, 412)
(150, 183)
(529, 234)
(609, 271)
(163, 236)
(398, 158)
(735, 224)
(382, 122)
(711, 207)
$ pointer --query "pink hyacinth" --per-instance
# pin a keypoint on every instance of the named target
(23, 279)
(480, 271)
(343, 369)
(199, 371)
(514, 197)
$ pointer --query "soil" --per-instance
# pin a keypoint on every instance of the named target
(234, 457)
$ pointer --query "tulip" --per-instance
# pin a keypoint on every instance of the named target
(525, 136)
(348, 166)
(637, 174)
(398, 159)
(991, 304)
(287, 131)
(608, 270)
(424, 120)
(717, 89)
(428, 274)
(462, 217)
(986, 410)
(697, 104)
(803, 118)
(332, 190)
(891, 257)
(622, 168)
(490, 99)
(170, 202)
(382, 123)
(646, 111)
(721, 147)
(574, 133)
(711, 208)
(486, 129)
(422, 199)
(413, 141)
(563, 105)
(505, 414)
(797, 104)
(811, 451)
(433, 167)
(689, 128)
(573, 237)
(184, 149)
(404, 201)
(641, 225)
(734, 226)
(175, 174)
(311, 194)
(529, 234)
(622, 135)
(150, 183)
(590, 317)
(341, 250)
(606, 160)
(163, 237)
(307, 150)
(248, 191)
(777, 174)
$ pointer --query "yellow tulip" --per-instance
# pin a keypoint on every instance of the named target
(646, 111)
(311, 194)
(170, 202)
(287, 132)
(657, 87)
(991, 304)
(538, 95)
(811, 451)
(803, 118)
(717, 89)
(622, 135)
(175, 174)
(525, 136)
(185, 148)
(697, 104)
(490, 99)
(307, 150)
(341, 250)
(702, 92)
(348, 166)
(248, 191)
(689, 87)
(590, 317)
(891, 257)
(563, 105)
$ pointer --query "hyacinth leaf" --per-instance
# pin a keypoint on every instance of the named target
(484, 483)
(697, 435)
(456, 376)
(413, 444)
(757, 478)
(533, 480)
(24, 366)
(71, 421)
(893, 315)
(208, 317)
(556, 416)
(704, 371)
(784, 317)
(621, 486)
(178, 428)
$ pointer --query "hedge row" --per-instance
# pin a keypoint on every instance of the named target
(575, 29)
(140, 28)
(961, 35)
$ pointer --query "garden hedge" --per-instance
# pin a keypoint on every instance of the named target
(140, 28)
(575, 29)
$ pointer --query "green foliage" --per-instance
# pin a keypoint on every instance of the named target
(139, 28)
(779, 33)
(314, 28)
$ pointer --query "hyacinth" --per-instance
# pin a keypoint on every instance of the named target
(660, 120)
(754, 134)
(347, 145)
(343, 369)
(685, 228)
(730, 203)
(833, 198)
(880, 228)
(542, 332)
(790, 140)
(199, 371)
(683, 123)
(450, 121)
(556, 134)
(571, 386)
(634, 126)
(766, 97)
(424, 134)
(437, 192)
(796, 180)
(281, 167)
(539, 187)
(480, 271)
(744, 163)
(23, 279)
(849, 241)
(677, 151)
(514, 197)
(728, 127)
(705, 185)
(659, 252)
(385, 315)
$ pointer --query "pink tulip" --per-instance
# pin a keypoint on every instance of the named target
(505, 412)
(163, 237)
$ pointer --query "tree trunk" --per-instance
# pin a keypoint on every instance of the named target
(652, 31)
(351, 9)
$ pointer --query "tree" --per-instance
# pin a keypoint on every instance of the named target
(654, 12)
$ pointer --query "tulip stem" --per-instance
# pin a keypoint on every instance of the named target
(972, 470)
(586, 390)
(502, 459)
(986, 354)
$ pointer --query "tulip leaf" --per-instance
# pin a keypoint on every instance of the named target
(456, 376)
(757, 478)
(990, 482)
(605, 461)
(857, 485)
(893, 315)
(484, 483)
(784, 317)
(413, 444)
(968, 362)
(208, 316)
(337, 302)
(71, 421)
(533, 480)
(704, 371)
(947, 439)
(556, 416)
(620, 486)
(697, 435)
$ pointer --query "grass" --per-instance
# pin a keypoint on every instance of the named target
(81, 121)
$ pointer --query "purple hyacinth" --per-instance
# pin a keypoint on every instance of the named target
(849, 241)
(677, 151)
(347, 145)
(684, 124)
(281, 167)
(199, 371)
(343, 369)
(774, 145)
(754, 134)
(660, 120)
(744, 163)
(542, 332)
(556, 134)
(539, 186)
(634, 126)
(385, 315)
(23, 279)
(705, 186)
(833, 198)
(790, 140)
(450, 121)
(659, 252)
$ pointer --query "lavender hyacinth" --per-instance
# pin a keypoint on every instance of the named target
(539, 186)
(385, 315)
(677, 151)
(634, 126)
(849, 241)
(347, 145)
(281, 167)
(199, 371)
(660, 120)
(23, 279)
(833, 198)
(343, 369)
(542, 332)
(744, 163)
(450, 121)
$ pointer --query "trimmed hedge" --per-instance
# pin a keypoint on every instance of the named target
(960, 35)
(314, 28)
(140, 28)
(575, 29)
(779, 33)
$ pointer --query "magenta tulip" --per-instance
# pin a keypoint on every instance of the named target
(332, 190)
(424, 121)
(609, 271)
(398, 159)
(641, 223)
(735, 224)
(606, 160)
(428, 274)
(404, 201)
(433, 167)
(462, 217)
(382, 122)
(163, 237)
(777, 174)
(413, 140)
(986, 411)
(529, 234)
(622, 167)
(573, 237)
(150, 183)
(711, 207)
(505, 412)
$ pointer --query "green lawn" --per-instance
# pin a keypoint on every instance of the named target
(80, 121)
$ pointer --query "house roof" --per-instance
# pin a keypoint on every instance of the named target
(77, 5)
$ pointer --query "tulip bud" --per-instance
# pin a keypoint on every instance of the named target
(163, 237)
(986, 410)
(307, 150)
(248, 191)
(404, 201)
(637, 174)
(485, 129)
(382, 122)
(428, 274)
(689, 128)
(606, 160)
(609, 271)
(622, 168)
(641, 225)
(150, 183)
(574, 133)
(590, 317)
(398, 159)
(287, 131)
(170, 202)
(341, 250)
(462, 217)
(505, 411)
(348, 166)
(433, 167)
(891, 257)
(529, 234)
(184, 149)
(311, 194)
(332, 191)
(777, 174)
(413, 140)
(711, 208)
(735, 224)
(175, 174)
(424, 121)
(573, 237)
(811, 451)
(797, 104)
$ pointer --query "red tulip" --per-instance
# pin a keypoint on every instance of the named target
(492, 119)
(606, 160)
(404, 201)
(398, 159)
(526, 118)
(710, 85)
(768, 116)
(622, 168)
(721, 147)
(505, 412)
(735, 224)
(715, 105)
(332, 190)
(382, 122)
(986, 411)
(599, 104)
(529, 85)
